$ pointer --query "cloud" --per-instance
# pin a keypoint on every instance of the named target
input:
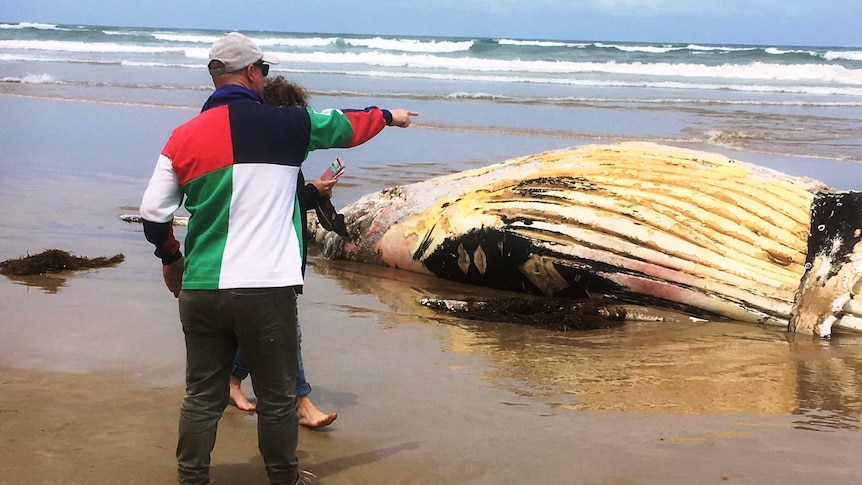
(629, 8)
(678, 7)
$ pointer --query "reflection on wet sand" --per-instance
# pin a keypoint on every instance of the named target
(49, 283)
(681, 367)
(829, 382)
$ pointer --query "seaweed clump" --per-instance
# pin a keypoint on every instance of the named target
(559, 314)
(54, 261)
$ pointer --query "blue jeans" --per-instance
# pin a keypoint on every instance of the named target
(215, 322)
(303, 388)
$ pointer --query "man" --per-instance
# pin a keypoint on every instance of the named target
(236, 165)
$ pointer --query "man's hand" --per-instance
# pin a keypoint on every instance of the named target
(401, 117)
(173, 274)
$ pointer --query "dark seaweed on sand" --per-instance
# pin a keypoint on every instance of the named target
(560, 314)
(53, 261)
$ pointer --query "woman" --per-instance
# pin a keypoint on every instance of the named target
(279, 92)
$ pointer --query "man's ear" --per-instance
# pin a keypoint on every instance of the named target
(247, 72)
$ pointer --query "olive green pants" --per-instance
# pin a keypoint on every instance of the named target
(263, 322)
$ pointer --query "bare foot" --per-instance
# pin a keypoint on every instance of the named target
(310, 416)
(237, 398)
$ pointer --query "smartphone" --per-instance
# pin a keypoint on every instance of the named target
(334, 171)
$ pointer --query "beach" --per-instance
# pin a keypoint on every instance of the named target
(93, 361)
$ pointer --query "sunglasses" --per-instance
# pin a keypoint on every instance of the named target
(264, 68)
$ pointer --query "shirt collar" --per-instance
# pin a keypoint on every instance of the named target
(230, 94)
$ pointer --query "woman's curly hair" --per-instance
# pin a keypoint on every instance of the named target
(279, 91)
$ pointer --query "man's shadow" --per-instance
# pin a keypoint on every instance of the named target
(253, 473)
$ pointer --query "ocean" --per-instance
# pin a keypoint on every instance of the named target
(772, 101)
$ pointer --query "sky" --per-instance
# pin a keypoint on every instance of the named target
(763, 22)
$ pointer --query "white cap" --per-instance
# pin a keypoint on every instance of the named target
(234, 52)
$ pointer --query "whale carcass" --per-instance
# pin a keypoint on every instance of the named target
(637, 223)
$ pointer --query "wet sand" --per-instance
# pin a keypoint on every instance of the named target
(92, 368)
(92, 382)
